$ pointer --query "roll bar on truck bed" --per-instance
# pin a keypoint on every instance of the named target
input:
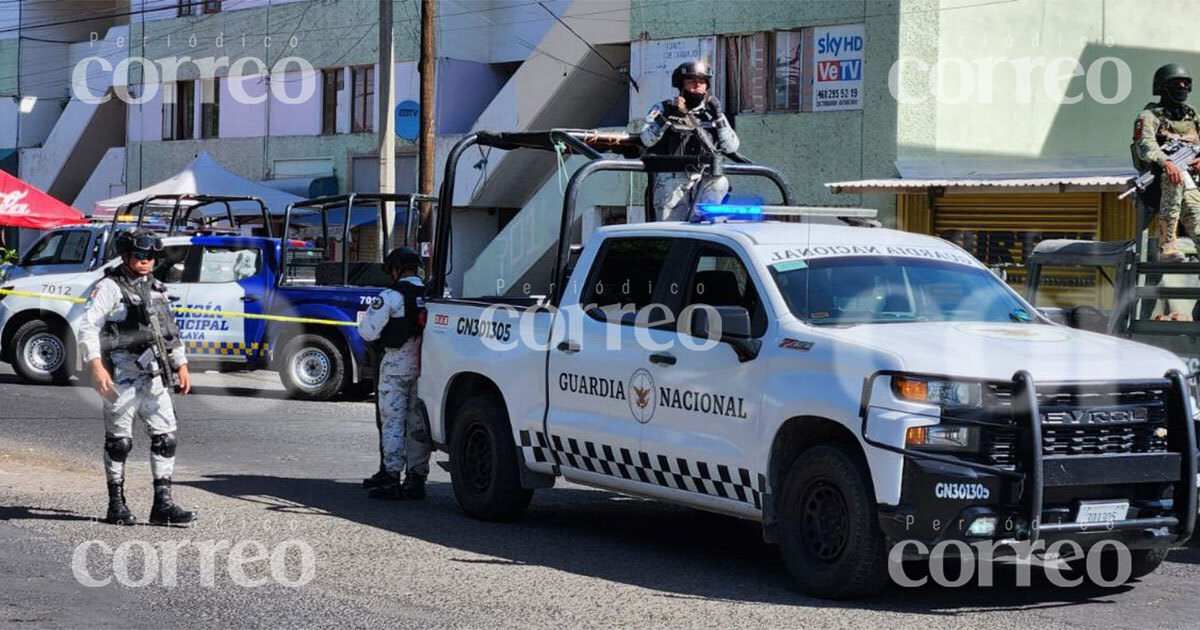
(591, 144)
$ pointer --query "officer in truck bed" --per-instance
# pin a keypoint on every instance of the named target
(690, 124)
(1168, 119)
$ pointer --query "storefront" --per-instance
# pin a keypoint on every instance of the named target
(1000, 220)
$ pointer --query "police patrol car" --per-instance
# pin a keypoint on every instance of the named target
(310, 336)
(848, 388)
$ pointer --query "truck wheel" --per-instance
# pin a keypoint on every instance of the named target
(483, 462)
(1143, 562)
(313, 367)
(40, 354)
(830, 538)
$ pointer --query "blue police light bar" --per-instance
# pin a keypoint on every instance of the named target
(740, 212)
(732, 212)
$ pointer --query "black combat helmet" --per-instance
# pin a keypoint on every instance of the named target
(128, 241)
(694, 68)
(1163, 78)
(402, 259)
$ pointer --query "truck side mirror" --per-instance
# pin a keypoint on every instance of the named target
(1055, 314)
(734, 322)
(735, 329)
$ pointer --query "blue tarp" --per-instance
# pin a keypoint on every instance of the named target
(358, 218)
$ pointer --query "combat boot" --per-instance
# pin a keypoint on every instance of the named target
(391, 490)
(164, 511)
(413, 488)
(378, 480)
(1168, 248)
(118, 512)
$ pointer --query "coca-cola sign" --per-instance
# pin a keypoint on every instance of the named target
(10, 203)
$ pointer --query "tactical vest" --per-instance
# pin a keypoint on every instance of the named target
(680, 137)
(1186, 129)
(399, 330)
(136, 332)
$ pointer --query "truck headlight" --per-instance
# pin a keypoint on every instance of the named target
(938, 392)
(942, 437)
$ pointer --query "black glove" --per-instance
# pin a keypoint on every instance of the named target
(713, 105)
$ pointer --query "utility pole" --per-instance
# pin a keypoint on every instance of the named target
(387, 117)
(425, 148)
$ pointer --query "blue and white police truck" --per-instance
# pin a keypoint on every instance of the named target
(855, 390)
(242, 302)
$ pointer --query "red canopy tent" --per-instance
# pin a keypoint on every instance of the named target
(22, 205)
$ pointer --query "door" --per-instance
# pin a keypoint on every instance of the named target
(597, 383)
(226, 278)
(706, 421)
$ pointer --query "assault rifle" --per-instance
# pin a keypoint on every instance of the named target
(1181, 154)
(162, 332)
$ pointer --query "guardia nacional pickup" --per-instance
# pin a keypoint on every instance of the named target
(849, 388)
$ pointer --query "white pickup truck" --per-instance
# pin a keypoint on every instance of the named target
(868, 386)
(855, 390)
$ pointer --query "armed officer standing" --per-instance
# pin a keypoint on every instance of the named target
(691, 124)
(394, 320)
(1171, 118)
(127, 329)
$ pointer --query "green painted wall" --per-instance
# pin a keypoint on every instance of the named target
(8, 65)
(1139, 35)
(817, 147)
(327, 33)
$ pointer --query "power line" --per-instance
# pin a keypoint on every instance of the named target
(588, 44)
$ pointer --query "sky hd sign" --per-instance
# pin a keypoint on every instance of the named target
(836, 68)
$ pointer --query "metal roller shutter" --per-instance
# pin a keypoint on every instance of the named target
(1001, 230)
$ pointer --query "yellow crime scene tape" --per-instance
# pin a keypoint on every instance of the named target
(192, 311)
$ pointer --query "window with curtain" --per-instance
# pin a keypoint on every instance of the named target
(362, 83)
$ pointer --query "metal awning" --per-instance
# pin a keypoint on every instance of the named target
(1052, 184)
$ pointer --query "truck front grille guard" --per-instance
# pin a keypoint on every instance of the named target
(1027, 419)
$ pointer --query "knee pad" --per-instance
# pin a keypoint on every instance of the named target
(118, 448)
(163, 445)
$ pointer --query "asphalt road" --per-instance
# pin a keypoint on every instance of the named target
(264, 469)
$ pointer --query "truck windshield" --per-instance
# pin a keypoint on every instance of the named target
(877, 289)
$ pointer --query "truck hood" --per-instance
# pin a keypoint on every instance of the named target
(34, 283)
(997, 351)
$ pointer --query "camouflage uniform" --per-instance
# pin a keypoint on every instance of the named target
(1156, 125)
(139, 391)
(406, 445)
(668, 132)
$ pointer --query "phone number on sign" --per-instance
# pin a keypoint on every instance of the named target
(835, 93)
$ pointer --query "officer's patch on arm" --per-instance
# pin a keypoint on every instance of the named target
(1137, 129)
(377, 302)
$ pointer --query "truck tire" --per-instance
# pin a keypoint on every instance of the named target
(313, 367)
(41, 354)
(830, 537)
(483, 462)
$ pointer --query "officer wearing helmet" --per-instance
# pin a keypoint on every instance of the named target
(116, 336)
(394, 321)
(690, 124)
(1158, 123)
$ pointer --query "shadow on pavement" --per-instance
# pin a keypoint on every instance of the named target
(248, 392)
(675, 551)
(30, 513)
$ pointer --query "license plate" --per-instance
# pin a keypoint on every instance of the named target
(1102, 511)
